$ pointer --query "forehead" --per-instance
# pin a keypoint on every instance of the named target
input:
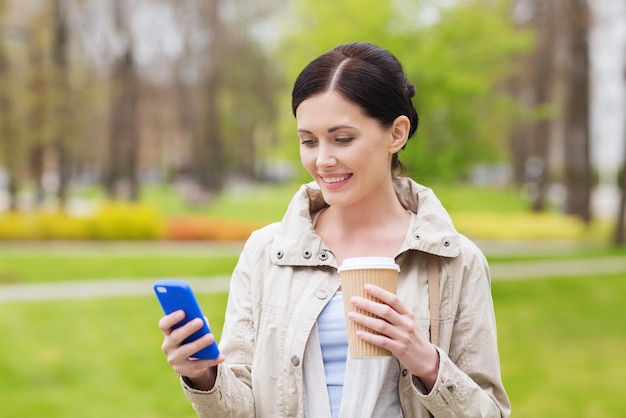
(328, 108)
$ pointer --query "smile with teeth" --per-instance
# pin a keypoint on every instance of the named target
(335, 179)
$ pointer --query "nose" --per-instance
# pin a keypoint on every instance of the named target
(325, 156)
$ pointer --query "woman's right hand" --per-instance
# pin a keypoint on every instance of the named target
(201, 373)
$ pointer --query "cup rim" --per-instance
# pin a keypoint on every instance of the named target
(357, 263)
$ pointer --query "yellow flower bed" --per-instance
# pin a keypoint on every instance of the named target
(143, 222)
(527, 226)
(109, 222)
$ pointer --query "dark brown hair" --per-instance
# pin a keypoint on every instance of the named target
(366, 75)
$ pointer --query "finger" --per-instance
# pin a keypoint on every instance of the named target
(168, 321)
(195, 368)
(378, 309)
(387, 297)
(189, 349)
(178, 335)
(376, 339)
(175, 337)
(376, 325)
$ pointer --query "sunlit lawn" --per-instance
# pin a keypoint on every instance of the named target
(479, 212)
(562, 344)
(98, 358)
(562, 340)
(47, 267)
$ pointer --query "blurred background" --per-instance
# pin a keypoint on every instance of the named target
(142, 139)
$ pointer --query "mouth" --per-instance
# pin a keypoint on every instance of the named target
(335, 179)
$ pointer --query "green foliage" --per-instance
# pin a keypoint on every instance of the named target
(458, 64)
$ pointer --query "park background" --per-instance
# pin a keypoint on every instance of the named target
(144, 139)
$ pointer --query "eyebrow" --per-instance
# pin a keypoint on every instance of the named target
(330, 130)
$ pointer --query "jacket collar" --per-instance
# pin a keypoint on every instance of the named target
(297, 244)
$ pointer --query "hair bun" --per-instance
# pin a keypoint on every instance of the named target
(410, 89)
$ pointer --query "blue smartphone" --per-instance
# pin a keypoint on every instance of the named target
(177, 294)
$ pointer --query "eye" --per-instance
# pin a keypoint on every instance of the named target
(344, 140)
(307, 142)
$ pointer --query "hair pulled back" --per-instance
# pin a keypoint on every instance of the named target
(366, 75)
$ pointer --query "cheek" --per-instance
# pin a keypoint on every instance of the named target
(307, 158)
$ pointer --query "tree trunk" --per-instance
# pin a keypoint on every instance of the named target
(578, 179)
(9, 146)
(63, 134)
(208, 159)
(542, 74)
(122, 179)
(620, 229)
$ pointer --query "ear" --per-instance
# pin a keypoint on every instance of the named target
(399, 132)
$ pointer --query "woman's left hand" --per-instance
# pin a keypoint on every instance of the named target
(399, 333)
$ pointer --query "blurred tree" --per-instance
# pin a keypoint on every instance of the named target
(208, 162)
(65, 124)
(552, 144)
(620, 227)
(121, 179)
(578, 176)
(459, 64)
(534, 87)
(248, 102)
(12, 150)
(620, 222)
(38, 103)
(456, 55)
(234, 108)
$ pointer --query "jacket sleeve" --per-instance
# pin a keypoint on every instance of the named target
(469, 382)
(232, 394)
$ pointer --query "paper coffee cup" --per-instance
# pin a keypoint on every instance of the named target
(355, 273)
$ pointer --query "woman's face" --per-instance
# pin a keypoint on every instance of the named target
(347, 153)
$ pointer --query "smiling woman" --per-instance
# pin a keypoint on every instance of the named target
(354, 112)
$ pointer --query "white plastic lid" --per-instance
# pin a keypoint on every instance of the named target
(358, 263)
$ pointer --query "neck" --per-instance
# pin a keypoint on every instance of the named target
(375, 212)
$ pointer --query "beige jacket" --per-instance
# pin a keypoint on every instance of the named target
(284, 278)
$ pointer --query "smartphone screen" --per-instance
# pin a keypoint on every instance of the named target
(177, 294)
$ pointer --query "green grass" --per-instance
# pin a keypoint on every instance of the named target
(562, 344)
(465, 198)
(22, 268)
(562, 340)
(264, 203)
(91, 359)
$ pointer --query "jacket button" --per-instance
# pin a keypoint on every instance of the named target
(324, 256)
(279, 254)
(417, 237)
(307, 254)
(446, 243)
(404, 372)
(295, 361)
(322, 294)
